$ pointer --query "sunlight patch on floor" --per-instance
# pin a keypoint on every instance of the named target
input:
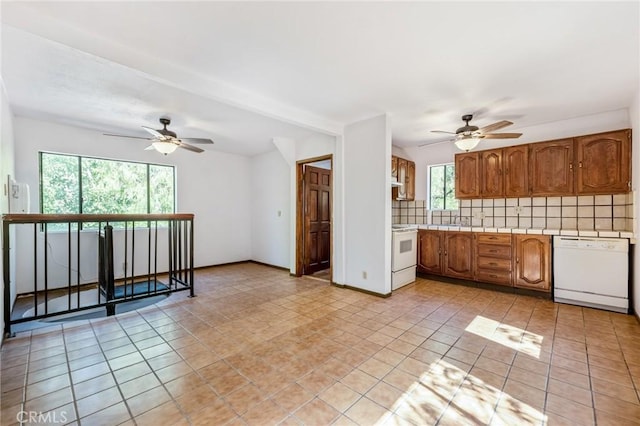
(507, 335)
(448, 394)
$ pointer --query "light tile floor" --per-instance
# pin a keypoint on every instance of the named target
(259, 347)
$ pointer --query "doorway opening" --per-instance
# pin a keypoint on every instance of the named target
(314, 244)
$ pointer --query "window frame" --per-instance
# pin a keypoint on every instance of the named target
(91, 157)
(429, 183)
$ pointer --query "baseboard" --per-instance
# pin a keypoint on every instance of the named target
(282, 268)
(487, 286)
(361, 290)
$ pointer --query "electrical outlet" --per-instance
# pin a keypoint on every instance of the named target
(479, 215)
(364, 275)
(518, 209)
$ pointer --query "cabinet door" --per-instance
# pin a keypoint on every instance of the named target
(430, 251)
(492, 182)
(394, 175)
(410, 181)
(604, 163)
(516, 171)
(532, 262)
(458, 254)
(467, 175)
(402, 177)
(551, 165)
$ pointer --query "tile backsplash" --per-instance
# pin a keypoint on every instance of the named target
(585, 212)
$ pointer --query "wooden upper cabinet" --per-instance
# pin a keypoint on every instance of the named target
(516, 170)
(394, 166)
(430, 251)
(458, 255)
(604, 163)
(410, 181)
(404, 172)
(467, 175)
(491, 172)
(551, 168)
(532, 262)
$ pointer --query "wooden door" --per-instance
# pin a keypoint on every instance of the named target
(532, 262)
(516, 171)
(492, 182)
(551, 165)
(430, 251)
(604, 163)
(458, 254)
(410, 181)
(467, 175)
(317, 219)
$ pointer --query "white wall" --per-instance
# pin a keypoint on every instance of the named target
(214, 186)
(6, 169)
(270, 209)
(367, 204)
(444, 152)
(634, 115)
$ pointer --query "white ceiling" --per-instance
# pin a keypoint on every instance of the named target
(244, 72)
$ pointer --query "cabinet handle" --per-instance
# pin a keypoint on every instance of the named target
(570, 166)
(493, 238)
(492, 263)
(517, 260)
(493, 251)
(580, 164)
(493, 276)
(445, 252)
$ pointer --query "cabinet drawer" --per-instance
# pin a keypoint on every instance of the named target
(493, 263)
(494, 250)
(495, 277)
(494, 238)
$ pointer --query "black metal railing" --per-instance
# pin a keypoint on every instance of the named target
(60, 264)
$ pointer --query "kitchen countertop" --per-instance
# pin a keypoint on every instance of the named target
(537, 231)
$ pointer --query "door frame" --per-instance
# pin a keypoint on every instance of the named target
(300, 214)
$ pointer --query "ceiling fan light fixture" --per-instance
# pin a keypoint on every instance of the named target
(164, 147)
(467, 143)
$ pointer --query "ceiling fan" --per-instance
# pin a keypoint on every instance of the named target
(467, 137)
(165, 141)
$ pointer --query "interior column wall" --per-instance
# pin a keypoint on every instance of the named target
(7, 168)
(367, 204)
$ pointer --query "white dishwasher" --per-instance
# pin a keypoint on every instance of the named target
(591, 272)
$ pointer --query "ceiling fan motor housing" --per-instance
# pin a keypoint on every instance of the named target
(166, 121)
(467, 129)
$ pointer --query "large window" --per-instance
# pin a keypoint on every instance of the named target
(73, 184)
(442, 190)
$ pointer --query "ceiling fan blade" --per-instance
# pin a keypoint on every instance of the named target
(124, 136)
(196, 140)
(495, 126)
(442, 131)
(190, 147)
(154, 132)
(149, 148)
(436, 142)
(502, 135)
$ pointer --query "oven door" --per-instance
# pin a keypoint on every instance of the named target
(404, 253)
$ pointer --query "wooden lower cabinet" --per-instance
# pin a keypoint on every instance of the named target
(522, 261)
(532, 262)
(493, 258)
(430, 251)
(458, 255)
